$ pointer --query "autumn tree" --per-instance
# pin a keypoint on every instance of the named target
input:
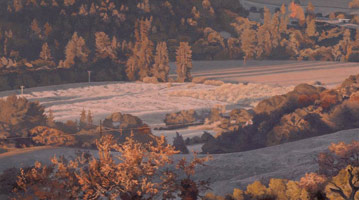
(139, 63)
(161, 66)
(354, 4)
(75, 48)
(297, 12)
(248, 43)
(345, 185)
(311, 10)
(284, 19)
(83, 119)
(184, 62)
(45, 53)
(344, 48)
(138, 171)
(311, 27)
(104, 48)
(35, 28)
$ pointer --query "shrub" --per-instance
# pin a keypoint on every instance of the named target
(50, 136)
(138, 172)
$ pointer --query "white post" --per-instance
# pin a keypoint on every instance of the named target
(22, 89)
(89, 76)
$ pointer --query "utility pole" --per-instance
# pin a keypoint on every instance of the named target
(22, 89)
(89, 76)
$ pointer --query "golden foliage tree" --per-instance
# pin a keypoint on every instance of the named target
(354, 4)
(161, 66)
(45, 53)
(311, 27)
(184, 62)
(75, 48)
(345, 185)
(69, 2)
(139, 63)
(137, 171)
(104, 47)
(50, 136)
(248, 43)
(297, 12)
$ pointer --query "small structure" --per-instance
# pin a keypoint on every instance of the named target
(22, 89)
(89, 76)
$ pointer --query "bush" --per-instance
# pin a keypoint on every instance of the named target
(20, 115)
(141, 174)
(50, 136)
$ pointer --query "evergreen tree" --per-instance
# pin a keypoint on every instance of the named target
(139, 63)
(248, 39)
(75, 48)
(311, 27)
(104, 47)
(50, 119)
(284, 20)
(184, 62)
(45, 53)
(161, 67)
(89, 119)
(83, 119)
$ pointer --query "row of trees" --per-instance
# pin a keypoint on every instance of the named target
(275, 39)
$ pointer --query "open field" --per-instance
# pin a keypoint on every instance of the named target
(321, 6)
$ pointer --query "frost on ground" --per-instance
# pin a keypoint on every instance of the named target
(150, 102)
(244, 94)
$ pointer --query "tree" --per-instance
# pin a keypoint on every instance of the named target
(75, 48)
(179, 144)
(297, 12)
(139, 63)
(284, 20)
(138, 171)
(89, 119)
(19, 115)
(49, 136)
(161, 66)
(345, 185)
(50, 119)
(311, 28)
(35, 27)
(103, 46)
(354, 4)
(83, 119)
(184, 62)
(45, 53)
(311, 10)
(248, 39)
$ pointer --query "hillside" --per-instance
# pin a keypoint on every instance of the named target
(228, 171)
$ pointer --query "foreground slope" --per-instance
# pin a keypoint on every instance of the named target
(227, 171)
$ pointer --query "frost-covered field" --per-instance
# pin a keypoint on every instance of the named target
(245, 86)
(227, 171)
(148, 101)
